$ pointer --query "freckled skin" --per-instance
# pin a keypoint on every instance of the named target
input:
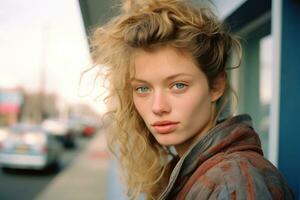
(168, 85)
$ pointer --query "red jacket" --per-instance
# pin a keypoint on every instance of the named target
(227, 163)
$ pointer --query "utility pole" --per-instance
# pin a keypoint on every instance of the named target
(43, 71)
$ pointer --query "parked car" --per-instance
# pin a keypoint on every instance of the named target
(3, 135)
(62, 131)
(75, 126)
(87, 126)
(27, 146)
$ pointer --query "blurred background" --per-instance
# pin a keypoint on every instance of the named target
(49, 109)
(51, 133)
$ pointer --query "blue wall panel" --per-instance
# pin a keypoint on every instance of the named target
(289, 116)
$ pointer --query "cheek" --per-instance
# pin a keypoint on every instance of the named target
(140, 106)
(196, 108)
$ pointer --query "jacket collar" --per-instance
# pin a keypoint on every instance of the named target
(230, 135)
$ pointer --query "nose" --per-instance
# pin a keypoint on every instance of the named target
(160, 104)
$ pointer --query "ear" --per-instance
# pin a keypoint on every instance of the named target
(218, 88)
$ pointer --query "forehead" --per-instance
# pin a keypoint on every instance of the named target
(165, 60)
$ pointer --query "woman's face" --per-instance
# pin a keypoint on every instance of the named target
(172, 96)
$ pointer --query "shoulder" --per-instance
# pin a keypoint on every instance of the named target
(244, 175)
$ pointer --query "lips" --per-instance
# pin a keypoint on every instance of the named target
(164, 127)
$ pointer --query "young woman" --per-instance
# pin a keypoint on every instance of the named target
(166, 62)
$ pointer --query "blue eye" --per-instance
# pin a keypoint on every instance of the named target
(142, 89)
(180, 85)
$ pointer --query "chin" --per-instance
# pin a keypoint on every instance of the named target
(167, 141)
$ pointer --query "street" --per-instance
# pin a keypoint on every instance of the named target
(27, 184)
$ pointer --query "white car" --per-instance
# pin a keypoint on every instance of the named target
(26, 146)
(61, 131)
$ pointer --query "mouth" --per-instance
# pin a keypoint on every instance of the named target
(164, 127)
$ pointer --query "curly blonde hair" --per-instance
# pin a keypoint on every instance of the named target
(148, 25)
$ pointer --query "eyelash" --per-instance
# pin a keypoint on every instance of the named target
(141, 87)
(176, 88)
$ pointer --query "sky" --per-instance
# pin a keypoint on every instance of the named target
(46, 37)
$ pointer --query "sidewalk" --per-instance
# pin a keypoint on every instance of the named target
(86, 178)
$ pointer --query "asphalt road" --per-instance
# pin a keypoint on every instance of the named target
(27, 184)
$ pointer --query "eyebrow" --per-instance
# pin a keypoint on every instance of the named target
(176, 75)
(168, 78)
